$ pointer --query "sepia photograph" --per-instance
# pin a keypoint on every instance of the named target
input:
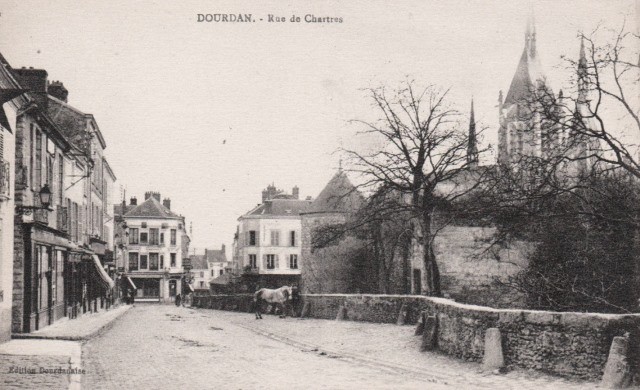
(320, 194)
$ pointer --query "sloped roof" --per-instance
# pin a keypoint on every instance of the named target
(281, 207)
(528, 72)
(215, 255)
(151, 208)
(198, 262)
(118, 209)
(339, 195)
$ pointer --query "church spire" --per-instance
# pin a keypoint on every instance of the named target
(472, 147)
(582, 74)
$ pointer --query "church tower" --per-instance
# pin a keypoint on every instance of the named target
(520, 132)
(472, 148)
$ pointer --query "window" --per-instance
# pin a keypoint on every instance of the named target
(173, 259)
(154, 236)
(133, 236)
(221, 272)
(173, 237)
(275, 237)
(292, 238)
(133, 261)
(212, 273)
(32, 157)
(202, 274)
(153, 261)
(161, 238)
(253, 261)
(293, 261)
(37, 169)
(201, 284)
(161, 261)
(143, 262)
(49, 179)
(271, 261)
(144, 238)
(61, 180)
(252, 238)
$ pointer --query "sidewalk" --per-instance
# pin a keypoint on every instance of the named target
(40, 364)
(77, 329)
(51, 358)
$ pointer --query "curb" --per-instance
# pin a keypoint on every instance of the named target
(85, 337)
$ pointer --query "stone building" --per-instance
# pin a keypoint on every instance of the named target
(212, 264)
(57, 272)
(269, 239)
(12, 99)
(333, 269)
(156, 244)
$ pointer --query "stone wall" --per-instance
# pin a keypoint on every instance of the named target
(469, 265)
(573, 345)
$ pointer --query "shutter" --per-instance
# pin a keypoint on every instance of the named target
(257, 237)
(277, 262)
(264, 261)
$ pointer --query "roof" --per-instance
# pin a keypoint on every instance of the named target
(151, 208)
(225, 278)
(528, 72)
(117, 209)
(281, 207)
(339, 195)
(199, 262)
(215, 255)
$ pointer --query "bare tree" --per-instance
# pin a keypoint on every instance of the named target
(425, 159)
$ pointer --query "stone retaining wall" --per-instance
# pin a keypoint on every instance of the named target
(573, 345)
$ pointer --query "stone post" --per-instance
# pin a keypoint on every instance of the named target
(402, 315)
(342, 314)
(493, 358)
(306, 308)
(430, 334)
(617, 373)
(421, 322)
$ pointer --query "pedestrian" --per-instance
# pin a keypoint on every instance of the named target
(178, 300)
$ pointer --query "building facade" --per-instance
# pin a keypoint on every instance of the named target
(56, 272)
(269, 238)
(156, 244)
(12, 99)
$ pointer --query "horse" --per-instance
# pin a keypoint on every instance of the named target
(278, 296)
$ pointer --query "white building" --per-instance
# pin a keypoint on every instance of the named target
(155, 248)
(269, 238)
(207, 267)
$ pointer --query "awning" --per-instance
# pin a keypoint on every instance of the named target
(103, 274)
(131, 283)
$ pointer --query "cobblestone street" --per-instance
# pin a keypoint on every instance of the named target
(159, 346)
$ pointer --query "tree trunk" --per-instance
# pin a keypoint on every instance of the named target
(432, 271)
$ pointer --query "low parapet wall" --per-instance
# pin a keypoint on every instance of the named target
(574, 345)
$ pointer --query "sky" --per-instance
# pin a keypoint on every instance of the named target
(209, 114)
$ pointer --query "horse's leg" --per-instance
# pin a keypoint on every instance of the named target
(256, 305)
(283, 313)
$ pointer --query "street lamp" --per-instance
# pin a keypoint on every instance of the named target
(45, 201)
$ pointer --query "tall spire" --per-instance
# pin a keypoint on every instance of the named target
(530, 34)
(582, 74)
(472, 147)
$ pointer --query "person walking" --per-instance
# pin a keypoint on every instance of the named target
(178, 300)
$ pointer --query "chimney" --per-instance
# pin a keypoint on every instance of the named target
(149, 194)
(295, 192)
(58, 91)
(166, 202)
(134, 201)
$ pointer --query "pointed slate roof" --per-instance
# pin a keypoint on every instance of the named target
(529, 70)
(338, 196)
(198, 262)
(215, 255)
(151, 208)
